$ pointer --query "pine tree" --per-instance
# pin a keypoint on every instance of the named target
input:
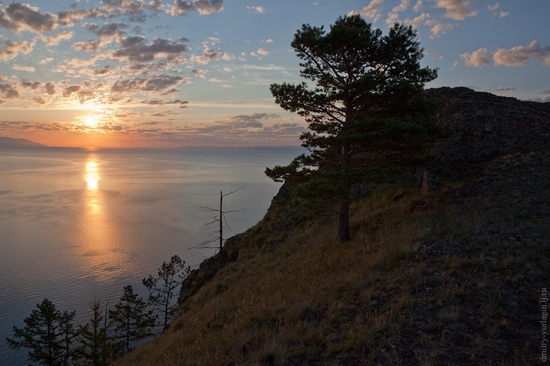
(367, 99)
(95, 346)
(48, 334)
(131, 319)
(164, 287)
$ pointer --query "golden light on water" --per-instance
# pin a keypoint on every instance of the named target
(101, 246)
(92, 175)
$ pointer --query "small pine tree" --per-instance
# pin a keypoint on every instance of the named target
(95, 346)
(131, 318)
(163, 288)
(67, 334)
(48, 334)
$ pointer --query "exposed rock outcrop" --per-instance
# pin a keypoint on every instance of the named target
(486, 126)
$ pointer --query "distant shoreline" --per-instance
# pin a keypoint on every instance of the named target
(11, 142)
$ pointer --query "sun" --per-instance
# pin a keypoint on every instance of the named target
(91, 121)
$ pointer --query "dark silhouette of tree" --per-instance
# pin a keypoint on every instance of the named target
(68, 335)
(131, 319)
(219, 219)
(164, 287)
(95, 347)
(48, 334)
(366, 98)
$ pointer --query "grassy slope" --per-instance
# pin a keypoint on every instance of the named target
(426, 280)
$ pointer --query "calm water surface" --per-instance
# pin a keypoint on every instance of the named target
(80, 224)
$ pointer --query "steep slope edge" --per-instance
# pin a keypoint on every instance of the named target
(453, 277)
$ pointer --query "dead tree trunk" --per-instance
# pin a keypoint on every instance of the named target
(220, 219)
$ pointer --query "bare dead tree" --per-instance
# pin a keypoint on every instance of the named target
(219, 219)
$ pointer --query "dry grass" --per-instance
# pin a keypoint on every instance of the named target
(425, 281)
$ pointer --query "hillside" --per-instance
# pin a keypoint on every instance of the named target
(446, 267)
(11, 142)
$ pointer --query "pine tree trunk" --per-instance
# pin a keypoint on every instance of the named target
(343, 225)
(343, 220)
(221, 221)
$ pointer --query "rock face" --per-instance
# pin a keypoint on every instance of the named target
(486, 126)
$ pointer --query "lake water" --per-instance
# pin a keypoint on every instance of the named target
(80, 224)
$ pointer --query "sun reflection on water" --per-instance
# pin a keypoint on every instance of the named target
(101, 247)
(92, 175)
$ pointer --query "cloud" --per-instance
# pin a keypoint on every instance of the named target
(245, 121)
(134, 8)
(31, 85)
(208, 55)
(49, 88)
(156, 83)
(25, 16)
(520, 55)
(108, 31)
(181, 103)
(23, 68)
(55, 39)
(257, 9)
(134, 49)
(104, 71)
(203, 7)
(216, 80)
(493, 9)
(263, 52)
(372, 10)
(392, 19)
(515, 56)
(228, 57)
(79, 92)
(88, 46)
(155, 5)
(200, 73)
(479, 58)
(46, 61)
(39, 100)
(70, 91)
(505, 89)
(404, 5)
(6, 22)
(72, 65)
(9, 91)
(68, 17)
(423, 18)
(456, 9)
(259, 53)
(440, 29)
(14, 48)
(393, 15)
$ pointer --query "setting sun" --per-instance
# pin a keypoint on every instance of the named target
(90, 121)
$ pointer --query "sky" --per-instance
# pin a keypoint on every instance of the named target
(171, 73)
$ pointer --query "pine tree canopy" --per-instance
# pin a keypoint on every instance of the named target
(366, 98)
